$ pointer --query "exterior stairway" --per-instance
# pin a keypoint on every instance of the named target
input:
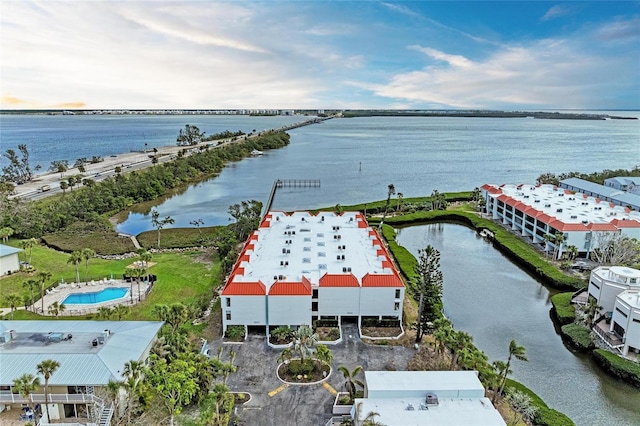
(105, 415)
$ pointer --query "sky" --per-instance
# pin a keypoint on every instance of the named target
(508, 55)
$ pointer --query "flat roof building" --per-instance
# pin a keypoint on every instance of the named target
(439, 398)
(536, 211)
(9, 260)
(608, 193)
(300, 267)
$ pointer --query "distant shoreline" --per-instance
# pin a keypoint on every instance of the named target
(347, 113)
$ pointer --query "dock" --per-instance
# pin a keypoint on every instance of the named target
(288, 183)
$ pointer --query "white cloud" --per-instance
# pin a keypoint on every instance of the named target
(620, 30)
(548, 73)
(556, 12)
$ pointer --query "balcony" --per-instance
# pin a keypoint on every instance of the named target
(54, 398)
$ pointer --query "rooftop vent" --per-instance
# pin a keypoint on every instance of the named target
(431, 399)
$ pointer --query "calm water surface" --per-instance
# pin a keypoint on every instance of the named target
(495, 301)
(356, 159)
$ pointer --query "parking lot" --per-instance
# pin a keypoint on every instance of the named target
(276, 403)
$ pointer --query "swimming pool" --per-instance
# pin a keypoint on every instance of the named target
(105, 295)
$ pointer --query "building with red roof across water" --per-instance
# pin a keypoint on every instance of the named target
(539, 212)
(300, 267)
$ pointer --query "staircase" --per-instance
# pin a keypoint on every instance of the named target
(105, 415)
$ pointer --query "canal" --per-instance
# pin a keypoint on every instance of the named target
(488, 296)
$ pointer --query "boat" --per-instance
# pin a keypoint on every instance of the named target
(255, 152)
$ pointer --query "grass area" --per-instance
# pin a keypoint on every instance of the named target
(578, 336)
(545, 416)
(181, 277)
(180, 237)
(564, 310)
(99, 237)
(622, 368)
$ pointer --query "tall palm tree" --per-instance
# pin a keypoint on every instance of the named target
(590, 311)
(25, 385)
(515, 351)
(133, 373)
(56, 308)
(138, 273)
(13, 300)
(76, 258)
(32, 242)
(87, 254)
(24, 245)
(391, 189)
(351, 382)
(43, 277)
(47, 367)
(31, 285)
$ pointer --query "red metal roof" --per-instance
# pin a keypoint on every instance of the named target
(339, 280)
(381, 280)
(244, 289)
(362, 224)
(563, 227)
(282, 288)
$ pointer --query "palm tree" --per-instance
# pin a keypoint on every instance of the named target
(391, 189)
(400, 197)
(304, 339)
(323, 354)
(590, 311)
(76, 258)
(460, 341)
(13, 300)
(145, 257)
(517, 351)
(87, 254)
(32, 242)
(133, 373)
(502, 370)
(31, 285)
(351, 381)
(24, 245)
(121, 311)
(43, 277)
(25, 385)
(104, 313)
(138, 273)
(56, 308)
(443, 334)
(47, 368)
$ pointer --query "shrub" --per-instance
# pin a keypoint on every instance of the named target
(565, 312)
(235, 332)
(297, 367)
(578, 336)
(622, 368)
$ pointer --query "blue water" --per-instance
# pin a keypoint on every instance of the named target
(105, 295)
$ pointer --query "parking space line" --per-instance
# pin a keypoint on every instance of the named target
(278, 390)
(328, 387)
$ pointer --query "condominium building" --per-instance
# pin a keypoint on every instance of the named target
(300, 267)
(538, 211)
(617, 291)
(611, 192)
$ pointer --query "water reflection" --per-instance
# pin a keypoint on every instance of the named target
(495, 301)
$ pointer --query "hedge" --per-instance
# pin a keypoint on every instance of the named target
(545, 416)
(578, 336)
(564, 311)
(622, 368)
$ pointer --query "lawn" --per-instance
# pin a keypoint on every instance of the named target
(182, 277)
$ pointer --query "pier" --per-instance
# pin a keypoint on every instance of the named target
(288, 183)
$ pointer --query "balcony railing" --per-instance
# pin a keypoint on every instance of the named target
(54, 398)
(610, 338)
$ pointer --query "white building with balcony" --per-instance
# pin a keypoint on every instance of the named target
(617, 291)
(300, 267)
(90, 354)
(536, 211)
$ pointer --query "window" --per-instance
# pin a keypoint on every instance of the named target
(396, 306)
(228, 302)
(228, 315)
(398, 293)
(315, 293)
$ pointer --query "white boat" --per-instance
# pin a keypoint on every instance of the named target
(255, 152)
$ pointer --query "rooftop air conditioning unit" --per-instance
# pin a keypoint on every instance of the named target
(431, 399)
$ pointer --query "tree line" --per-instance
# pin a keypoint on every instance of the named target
(596, 177)
(93, 199)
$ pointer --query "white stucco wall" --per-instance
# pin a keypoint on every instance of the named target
(379, 301)
(289, 310)
(338, 301)
(9, 263)
(245, 310)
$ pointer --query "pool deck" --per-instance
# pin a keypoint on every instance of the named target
(59, 293)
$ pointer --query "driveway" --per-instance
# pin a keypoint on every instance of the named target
(274, 403)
